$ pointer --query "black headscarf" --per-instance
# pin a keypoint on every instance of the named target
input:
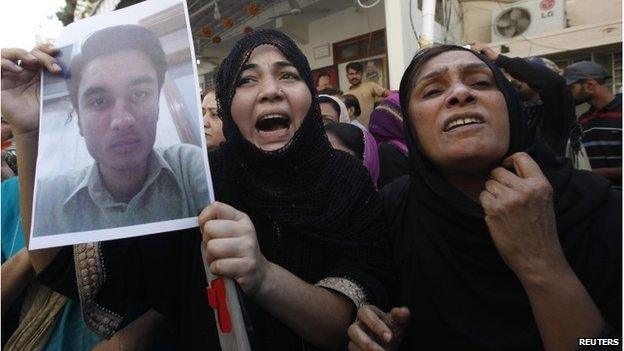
(315, 210)
(305, 184)
(461, 293)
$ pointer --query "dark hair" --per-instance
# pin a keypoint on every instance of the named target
(328, 100)
(351, 137)
(352, 101)
(355, 65)
(330, 91)
(112, 40)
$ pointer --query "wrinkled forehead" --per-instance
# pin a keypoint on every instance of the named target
(449, 61)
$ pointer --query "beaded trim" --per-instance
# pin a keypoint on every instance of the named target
(90, 275)
(391, 111)
(347, 287)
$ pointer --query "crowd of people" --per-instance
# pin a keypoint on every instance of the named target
(469, 210)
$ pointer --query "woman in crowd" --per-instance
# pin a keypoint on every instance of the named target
(498, 244)
(357, 142)
(353, 109)
(302, 232)
(332, 109)
(386, 126)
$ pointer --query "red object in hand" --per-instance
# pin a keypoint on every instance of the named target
(217, 299)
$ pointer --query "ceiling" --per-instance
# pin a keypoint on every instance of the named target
(202, 13)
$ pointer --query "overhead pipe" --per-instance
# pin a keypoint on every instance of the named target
(428, 19)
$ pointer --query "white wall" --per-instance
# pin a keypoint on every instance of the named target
(339, 26)
(478, 15)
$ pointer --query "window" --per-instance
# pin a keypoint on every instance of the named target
(362, 46)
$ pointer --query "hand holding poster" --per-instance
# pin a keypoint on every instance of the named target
(121, 151)
(121, 148)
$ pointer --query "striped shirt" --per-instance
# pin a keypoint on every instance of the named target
(602, 135)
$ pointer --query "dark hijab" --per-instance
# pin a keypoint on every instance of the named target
(461, 293)
(306, 184)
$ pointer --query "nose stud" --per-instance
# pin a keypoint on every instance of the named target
(281, 91)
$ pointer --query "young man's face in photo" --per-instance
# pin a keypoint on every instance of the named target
(118, 109)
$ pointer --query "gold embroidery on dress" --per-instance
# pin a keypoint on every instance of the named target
(90, 275)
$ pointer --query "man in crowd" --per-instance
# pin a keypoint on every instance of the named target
(366, 92)
(213, 126)
(130, 181)
(602, 123)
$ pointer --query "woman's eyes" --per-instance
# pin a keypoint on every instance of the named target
(482, 84)
(436, 90)
(289, 76)
(432, 92)
(244, 80)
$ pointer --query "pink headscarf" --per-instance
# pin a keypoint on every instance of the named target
(371, 156)
(386, 123)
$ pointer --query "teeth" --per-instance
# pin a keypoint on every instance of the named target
(273, 116)
(462, 121)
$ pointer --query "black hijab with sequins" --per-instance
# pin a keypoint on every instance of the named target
(461, 293)
(315, 209)
(326, 195)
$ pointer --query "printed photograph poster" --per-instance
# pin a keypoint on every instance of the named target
(375, 71)
(326, 77)
(121, 148)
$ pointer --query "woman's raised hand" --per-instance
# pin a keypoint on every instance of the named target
(520, 215)
(231, 245)
(375, 330)
(20, 85)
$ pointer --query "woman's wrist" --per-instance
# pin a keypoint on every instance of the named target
(541, 274)
(267, 284)
(26, 135)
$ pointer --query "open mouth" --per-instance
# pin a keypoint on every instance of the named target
(455, 123)
(273, 123)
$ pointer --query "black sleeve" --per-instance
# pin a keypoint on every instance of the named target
(605, 284)
(115, 279)
(393, 197)
(559, 111)
(114, 269)
(392, 164)
(60, 274)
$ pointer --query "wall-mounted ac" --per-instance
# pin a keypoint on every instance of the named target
(527, 18)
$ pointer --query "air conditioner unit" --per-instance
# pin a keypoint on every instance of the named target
(527, 18)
